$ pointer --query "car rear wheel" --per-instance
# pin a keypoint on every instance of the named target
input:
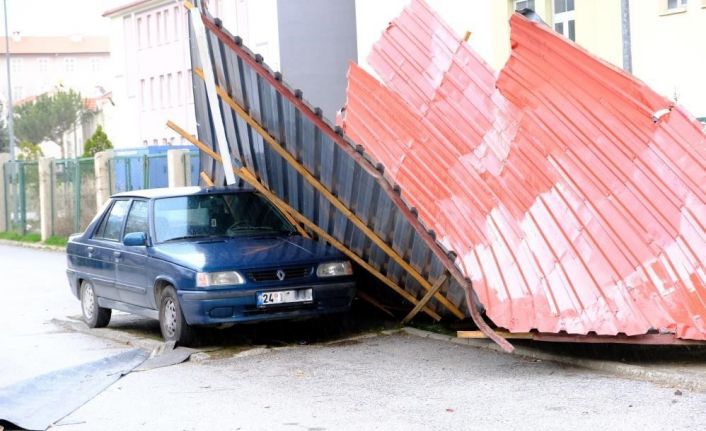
(171, 319)
(94, 315)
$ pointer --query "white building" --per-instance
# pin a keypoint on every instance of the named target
(41, 63)
(310, 41)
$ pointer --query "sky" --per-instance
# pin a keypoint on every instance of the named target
(58, 17)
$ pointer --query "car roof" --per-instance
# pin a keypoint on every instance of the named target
(167, 192)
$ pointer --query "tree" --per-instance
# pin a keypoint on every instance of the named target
(4, 136)
(29, 151)
(48, 117)
(97, 142)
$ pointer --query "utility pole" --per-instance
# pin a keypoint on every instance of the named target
(10, 116)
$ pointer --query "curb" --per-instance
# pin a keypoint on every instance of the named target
(34, 245)
(634, 372)
(109, 334)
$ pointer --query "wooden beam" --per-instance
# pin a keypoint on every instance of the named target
(374, 302)
(423, 302)
(308, 177)
(503, 334)
(252, 180)
(206, 179)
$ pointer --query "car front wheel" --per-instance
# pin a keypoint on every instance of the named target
(171, 319)
(93, 315)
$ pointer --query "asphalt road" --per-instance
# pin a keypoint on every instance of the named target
(385, 382)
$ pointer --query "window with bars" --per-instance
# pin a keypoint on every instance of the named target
(564, 18)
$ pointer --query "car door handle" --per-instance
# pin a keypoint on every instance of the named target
(90, 251)
(116, 255)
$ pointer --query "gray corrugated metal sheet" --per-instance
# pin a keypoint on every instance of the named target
(349, 175)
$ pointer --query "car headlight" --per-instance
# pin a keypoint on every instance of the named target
(334, 269)
(224, 278)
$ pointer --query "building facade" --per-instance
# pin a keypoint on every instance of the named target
(664, 44)
(311, 41)
(151, 64)
(151, 72)
(41, 64)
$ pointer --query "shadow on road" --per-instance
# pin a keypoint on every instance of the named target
(361, 319)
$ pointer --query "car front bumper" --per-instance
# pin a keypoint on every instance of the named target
(216, 307)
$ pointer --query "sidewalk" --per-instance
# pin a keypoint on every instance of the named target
(681, 367)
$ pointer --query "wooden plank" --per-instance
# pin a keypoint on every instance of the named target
(206, 179)
(434, 289)
(251, 179)
(374, 302)
(291, 160)
(503, 334)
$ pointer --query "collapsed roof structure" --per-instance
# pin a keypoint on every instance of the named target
(561, 196)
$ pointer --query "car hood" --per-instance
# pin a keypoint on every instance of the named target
(244, 253)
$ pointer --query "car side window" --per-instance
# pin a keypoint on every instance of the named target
(137, 218)
(112, 224)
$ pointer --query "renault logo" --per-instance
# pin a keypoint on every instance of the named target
(280, 274)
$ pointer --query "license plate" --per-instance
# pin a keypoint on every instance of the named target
(283, 297)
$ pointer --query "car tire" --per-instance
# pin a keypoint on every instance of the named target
(171, 319)
(94, 315)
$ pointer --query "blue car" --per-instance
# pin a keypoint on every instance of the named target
(202, 257)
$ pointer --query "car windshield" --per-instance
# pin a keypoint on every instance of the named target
(216, 215)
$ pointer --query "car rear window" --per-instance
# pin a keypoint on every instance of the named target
(112, 224)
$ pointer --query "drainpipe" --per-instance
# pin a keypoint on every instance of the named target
(625, 24)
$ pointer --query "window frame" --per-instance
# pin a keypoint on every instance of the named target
(16, 65)
(564, 18)
(98, 235)
(43, 64)
(681, 4)
(69, 64)
(129, 211)
(681, 7)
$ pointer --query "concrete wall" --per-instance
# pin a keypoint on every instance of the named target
(317, 39)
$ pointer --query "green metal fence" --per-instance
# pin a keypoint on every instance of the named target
(22, 196)
(73, 195)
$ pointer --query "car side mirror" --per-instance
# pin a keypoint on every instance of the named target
(135, 239)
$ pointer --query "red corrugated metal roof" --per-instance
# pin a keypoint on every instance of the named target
(569, 207)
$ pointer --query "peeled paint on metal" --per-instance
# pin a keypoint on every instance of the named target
(571, 207)
(334, 160)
